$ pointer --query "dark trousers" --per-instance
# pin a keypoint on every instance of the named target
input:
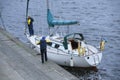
(43, 55)
(31, 31)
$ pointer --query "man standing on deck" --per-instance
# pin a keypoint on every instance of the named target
(30, 25)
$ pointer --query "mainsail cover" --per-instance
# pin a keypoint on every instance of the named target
(52, 22)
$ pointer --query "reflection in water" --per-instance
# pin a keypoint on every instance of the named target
(85, 73)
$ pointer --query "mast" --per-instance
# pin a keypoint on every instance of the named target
(26, 16)
(47, 4)
(27, 9)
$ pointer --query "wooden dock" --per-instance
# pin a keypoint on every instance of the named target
(17, 62)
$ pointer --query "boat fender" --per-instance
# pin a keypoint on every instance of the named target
(71, 62)
(81, 50)
(102, 45)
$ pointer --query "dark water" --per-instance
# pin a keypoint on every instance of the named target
(98, 18)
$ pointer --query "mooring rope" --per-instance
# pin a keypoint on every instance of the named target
(2, 21)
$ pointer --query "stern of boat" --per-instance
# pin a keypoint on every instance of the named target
(95, 59)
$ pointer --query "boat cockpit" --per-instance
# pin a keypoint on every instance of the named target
(74, 39)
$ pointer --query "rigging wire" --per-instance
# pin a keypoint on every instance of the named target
(37, 17)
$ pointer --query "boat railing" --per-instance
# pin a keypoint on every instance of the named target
(92, 54)
(59, 40)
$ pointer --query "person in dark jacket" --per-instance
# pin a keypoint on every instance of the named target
(30, 21)
(43, 49)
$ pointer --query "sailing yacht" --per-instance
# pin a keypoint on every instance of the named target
(69, 50)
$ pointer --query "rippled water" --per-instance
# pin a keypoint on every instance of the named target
(98, 18)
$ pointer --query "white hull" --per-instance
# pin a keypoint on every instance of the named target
(78, 61)
(63, 57)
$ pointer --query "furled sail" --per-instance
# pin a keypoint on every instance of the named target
(52, 22)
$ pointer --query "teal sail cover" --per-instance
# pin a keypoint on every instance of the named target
(52, 22)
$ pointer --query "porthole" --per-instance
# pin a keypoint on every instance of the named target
(56, 46)
(88, 57)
